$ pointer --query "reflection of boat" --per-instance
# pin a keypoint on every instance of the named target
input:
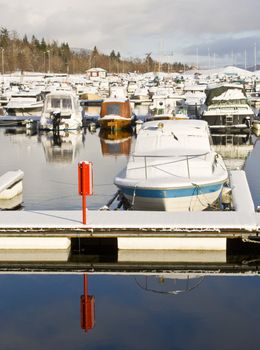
(173, 168)
(234, 148)
(61, 147)
(117, 142)
(115, 113)
(61, 111)
(168, 284)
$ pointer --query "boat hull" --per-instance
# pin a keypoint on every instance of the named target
(195, 198)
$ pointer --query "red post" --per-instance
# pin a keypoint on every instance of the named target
(85, 185)
(84, 210)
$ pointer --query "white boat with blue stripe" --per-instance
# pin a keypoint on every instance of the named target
(173, 168)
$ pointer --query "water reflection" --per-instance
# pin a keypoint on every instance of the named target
(165, 284)
(61, 147)
(23, 130)
(175, 300)
(115, 142)
(87, 308)
(234, 148)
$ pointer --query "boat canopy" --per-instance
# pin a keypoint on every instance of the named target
(230, 95)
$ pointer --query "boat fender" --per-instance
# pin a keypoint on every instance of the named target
(247, 121)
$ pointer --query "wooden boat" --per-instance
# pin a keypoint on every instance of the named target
(115, 113)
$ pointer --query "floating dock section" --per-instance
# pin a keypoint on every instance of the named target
(136, 229)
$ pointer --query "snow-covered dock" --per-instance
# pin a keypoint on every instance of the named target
(243, 222)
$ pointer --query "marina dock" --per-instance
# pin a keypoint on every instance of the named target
(137, 229)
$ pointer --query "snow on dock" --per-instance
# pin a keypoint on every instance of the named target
(242, 222)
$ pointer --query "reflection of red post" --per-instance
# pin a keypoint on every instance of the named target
(87, 308)
(85, 185)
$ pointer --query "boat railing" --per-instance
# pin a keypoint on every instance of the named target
(181, 158)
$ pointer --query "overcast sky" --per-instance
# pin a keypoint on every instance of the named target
(177, 28)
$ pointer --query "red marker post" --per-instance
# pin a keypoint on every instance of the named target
(85, 185)
(87, 308)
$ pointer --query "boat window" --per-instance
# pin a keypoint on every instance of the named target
(66, 103)
(113, 108)
(55, 103)
(62, 103)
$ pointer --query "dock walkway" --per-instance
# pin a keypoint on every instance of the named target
(243, 222)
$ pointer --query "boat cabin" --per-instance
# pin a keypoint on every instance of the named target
(119, 107)
(65, 103)
(115, 114)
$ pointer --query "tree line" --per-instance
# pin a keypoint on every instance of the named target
(38, 55)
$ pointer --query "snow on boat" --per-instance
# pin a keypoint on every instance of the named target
(173, 168)
(11, 184)
(229, 110)
(61, 111)
(25, 103)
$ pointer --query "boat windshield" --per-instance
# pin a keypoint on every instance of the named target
(113, 108)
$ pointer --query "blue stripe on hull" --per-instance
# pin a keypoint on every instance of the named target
(171, 193)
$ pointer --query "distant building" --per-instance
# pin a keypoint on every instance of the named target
(96, 73)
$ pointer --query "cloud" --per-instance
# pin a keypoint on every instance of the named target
(132, 25)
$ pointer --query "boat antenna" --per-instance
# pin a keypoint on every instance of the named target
(174, 136)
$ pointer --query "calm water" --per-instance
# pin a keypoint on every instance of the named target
(43, 311)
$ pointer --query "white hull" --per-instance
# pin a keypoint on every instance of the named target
(13, 191)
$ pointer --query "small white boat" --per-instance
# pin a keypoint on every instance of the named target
(173, 168)
(61, 111)
(25, 103)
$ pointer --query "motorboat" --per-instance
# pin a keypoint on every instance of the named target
(25, 103)
(61, 111)
(229, 110)
(167, 113)
(173, 168)
(116, 113)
